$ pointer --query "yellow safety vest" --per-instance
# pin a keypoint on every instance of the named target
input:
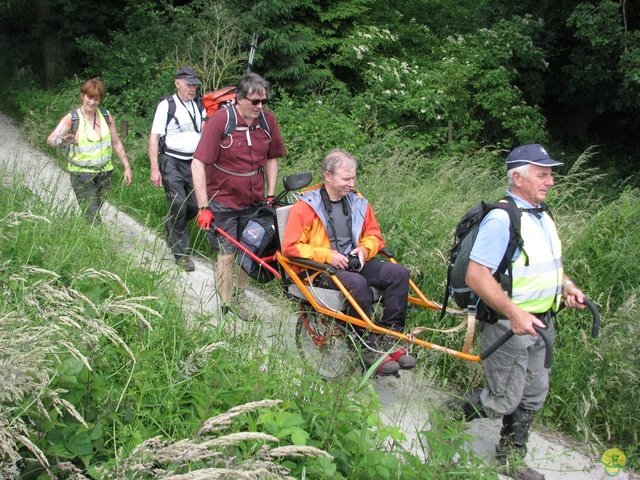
(93, 151)
(537, 287)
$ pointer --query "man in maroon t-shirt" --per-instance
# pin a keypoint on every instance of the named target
(229, 174)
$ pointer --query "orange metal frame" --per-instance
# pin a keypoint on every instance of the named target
(418, 298)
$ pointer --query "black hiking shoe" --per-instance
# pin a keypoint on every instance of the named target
(186, 263)
(515, 468)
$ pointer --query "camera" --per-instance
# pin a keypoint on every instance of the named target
(354, 262)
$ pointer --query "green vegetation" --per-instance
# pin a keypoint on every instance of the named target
(430, 105)
(104, 377)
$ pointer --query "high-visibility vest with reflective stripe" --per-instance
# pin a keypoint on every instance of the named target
(92, 152)
(537, 287)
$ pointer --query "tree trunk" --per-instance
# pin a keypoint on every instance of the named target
(50, 45)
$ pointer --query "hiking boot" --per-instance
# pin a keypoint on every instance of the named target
(515, 468)
(388, 366)
(241, 310)
(186, 263)
(404, 358)
(512, 447)
(400, 355)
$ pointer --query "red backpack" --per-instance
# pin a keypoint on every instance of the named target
(213, 101)
(225, 98)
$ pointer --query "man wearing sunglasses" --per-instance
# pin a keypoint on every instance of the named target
(233, 175)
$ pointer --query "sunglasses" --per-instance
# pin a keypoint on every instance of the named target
(257, 101)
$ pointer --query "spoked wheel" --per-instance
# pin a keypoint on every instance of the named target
(324, 346)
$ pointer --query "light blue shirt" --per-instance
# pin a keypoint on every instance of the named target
(493, 236)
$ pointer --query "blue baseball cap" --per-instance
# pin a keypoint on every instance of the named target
(534, 154)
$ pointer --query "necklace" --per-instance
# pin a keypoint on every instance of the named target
(88, 119)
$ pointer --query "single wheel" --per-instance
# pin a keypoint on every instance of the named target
(324, 346)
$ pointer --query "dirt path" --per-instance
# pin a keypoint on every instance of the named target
(406, 400)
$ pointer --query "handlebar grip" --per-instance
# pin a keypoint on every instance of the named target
(548, 344)
(595, 328)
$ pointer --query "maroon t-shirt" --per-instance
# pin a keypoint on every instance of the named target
(234, 154)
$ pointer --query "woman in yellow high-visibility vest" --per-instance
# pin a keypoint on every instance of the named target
(89, 135)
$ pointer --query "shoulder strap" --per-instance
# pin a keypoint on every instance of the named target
(232, 121)
(199, 105)
(74, 120)
(171, 111)
(508, 204)
(105, 114)
(264, 124)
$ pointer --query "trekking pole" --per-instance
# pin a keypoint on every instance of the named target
(252, 51)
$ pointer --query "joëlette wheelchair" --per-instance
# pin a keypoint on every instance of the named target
(326, 334)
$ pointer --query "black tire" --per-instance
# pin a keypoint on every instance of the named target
(325, 347)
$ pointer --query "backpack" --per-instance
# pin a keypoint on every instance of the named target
(225, 98)
(75, 121)
(171, 114)
(465, 236)
(259, 237)
(214, 101)
(222, 98)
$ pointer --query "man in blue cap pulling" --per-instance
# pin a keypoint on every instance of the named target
(517, 381)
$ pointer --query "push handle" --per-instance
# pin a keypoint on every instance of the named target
(548, 344)
(548, 356)
(595, 327)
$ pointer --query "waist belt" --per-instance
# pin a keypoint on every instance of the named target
(544, 317)
(178, 155)
(239, 174)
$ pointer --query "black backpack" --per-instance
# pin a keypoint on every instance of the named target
(465, 237)
(259, 237)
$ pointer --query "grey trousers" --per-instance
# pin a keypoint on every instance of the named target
(178, 186)
(515, 373)
(91, 192)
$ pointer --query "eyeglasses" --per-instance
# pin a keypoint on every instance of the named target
(257, 101)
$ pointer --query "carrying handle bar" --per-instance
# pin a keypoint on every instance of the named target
(595, 326)
(548, 344)
(548, 356)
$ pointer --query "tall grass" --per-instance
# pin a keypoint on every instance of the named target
(419, 199)
(104, 376)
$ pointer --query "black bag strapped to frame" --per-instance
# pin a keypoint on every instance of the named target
(465, 236)
(259, 237)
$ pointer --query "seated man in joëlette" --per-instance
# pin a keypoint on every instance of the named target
(333, 224)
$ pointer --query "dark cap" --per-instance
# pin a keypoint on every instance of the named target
(534, 154)
(189, 74)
